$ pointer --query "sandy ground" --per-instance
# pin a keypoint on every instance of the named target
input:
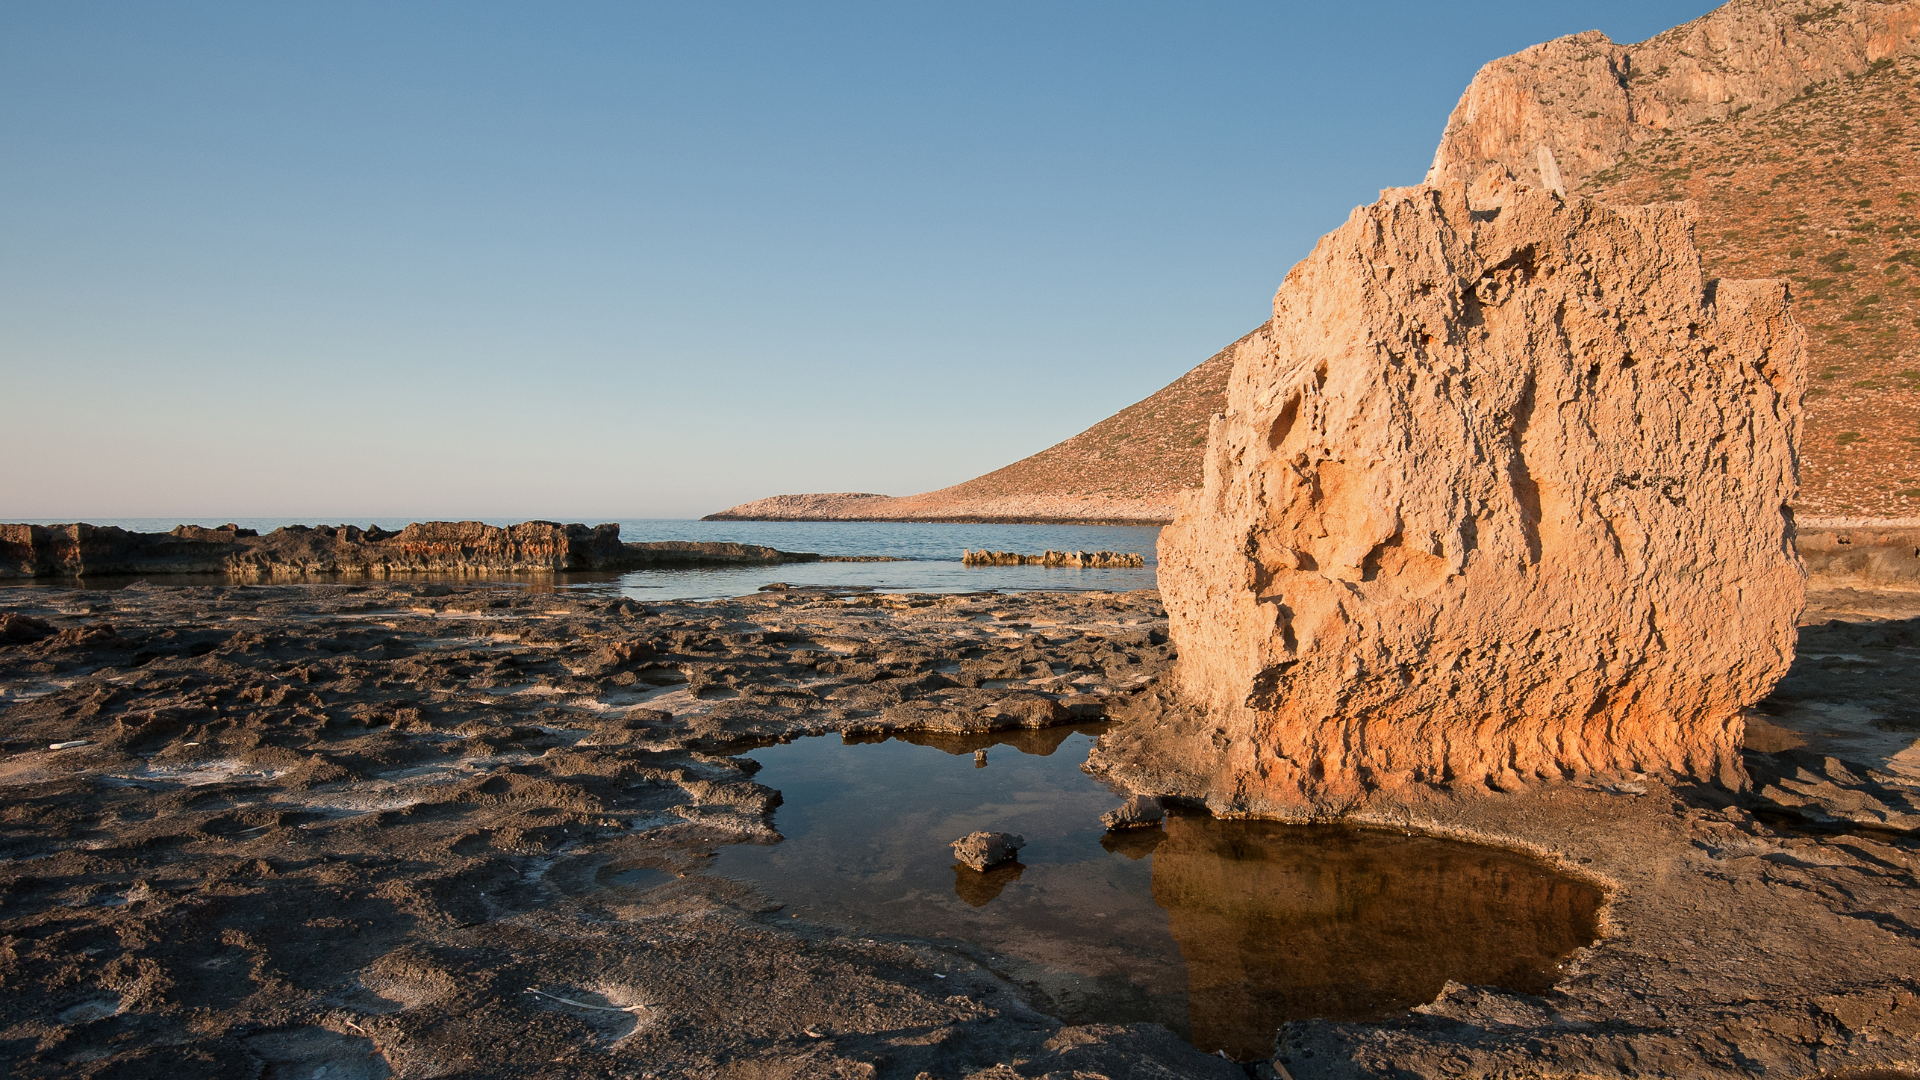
(422, 830)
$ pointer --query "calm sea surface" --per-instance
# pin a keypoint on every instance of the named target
(931, 554)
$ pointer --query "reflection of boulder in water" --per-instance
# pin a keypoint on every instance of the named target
(1135, 844)
(979, 887)
(1288, 922)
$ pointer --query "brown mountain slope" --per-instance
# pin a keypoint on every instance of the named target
(1126, 468)
(1824, 190)
(1590, 101)
(1790, 123)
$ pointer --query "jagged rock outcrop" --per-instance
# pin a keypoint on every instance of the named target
(1589, 100)
(439, 547)
(1505, 499)
(1820, 190)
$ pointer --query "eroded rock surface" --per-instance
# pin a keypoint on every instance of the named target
(288, 819)
(309, 823)
(1504, 498)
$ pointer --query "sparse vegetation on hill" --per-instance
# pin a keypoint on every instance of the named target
(1127, 468)
(1150, 450)
(1825, 191)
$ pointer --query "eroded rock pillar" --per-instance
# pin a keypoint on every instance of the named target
(1502, 494)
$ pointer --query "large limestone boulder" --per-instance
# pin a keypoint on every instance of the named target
(1502, 495)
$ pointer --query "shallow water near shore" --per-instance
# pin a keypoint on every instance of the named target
(928, 553)
(1222, 930)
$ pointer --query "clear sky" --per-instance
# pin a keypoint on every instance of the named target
(618, 260)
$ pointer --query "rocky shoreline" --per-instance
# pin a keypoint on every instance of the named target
(298, 551)
(300, 823)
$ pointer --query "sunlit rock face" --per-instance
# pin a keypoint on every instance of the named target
(1504, 498)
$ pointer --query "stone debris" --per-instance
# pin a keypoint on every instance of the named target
(1884, 556)
(1504, 499)
(982, 850)
(20, 629)
(1138, 812)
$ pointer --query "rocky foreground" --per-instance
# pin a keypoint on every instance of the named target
(384, 828)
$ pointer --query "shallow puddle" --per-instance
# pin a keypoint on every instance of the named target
(1221, 930)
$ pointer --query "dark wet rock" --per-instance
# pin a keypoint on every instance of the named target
(20, 629)
(618, 655)
(1138, 812)
(982, 850)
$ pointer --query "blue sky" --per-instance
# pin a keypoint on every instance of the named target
(590, 261)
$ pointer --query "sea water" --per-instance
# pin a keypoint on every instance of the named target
(928, 553)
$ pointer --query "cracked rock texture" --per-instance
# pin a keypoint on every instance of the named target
(1501, 496)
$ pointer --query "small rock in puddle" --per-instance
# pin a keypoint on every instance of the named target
(983, 850)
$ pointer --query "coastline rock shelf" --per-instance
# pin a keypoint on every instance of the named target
(297, 551)
(1075, 560)
(283, 826)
